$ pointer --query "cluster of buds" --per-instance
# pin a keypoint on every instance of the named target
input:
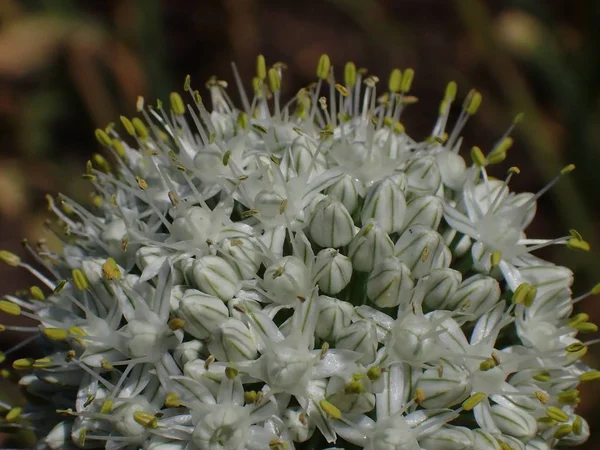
(299, 275)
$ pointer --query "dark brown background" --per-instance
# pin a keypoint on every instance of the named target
(67, 67)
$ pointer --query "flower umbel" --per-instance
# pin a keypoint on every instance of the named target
(298, 274)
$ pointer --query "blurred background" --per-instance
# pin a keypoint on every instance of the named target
(68, 67)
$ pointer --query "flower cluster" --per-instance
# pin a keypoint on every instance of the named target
(299, 275)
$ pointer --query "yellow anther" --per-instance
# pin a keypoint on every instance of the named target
(450, 93)
(554, 412)
(542, 377)
(577, 425)
(374, 373)
(187, 83)
(111, 270)
(578, 244)
(231, 372)
(242, 120)
(542, 397)
(55, 334)
(496, 258)
(36, 293)
(128, 125)
(139, 103)
(395, 81)
(176, 324)
(478, 157)
(419, 396)
(473, 102)
(530, 296)
(103, 138)
(145, 419)
(250, 396)
(274, 80)
(349, 74)
(575, 347)
(142, 184)
(80, 280)
(101, 163)
(172, 400)
(106, 365)
(577, 319)
(586, 327)
(9, 258)
(330, 409)
(43, 363)
(13, 414)
(10, 308)
(520, 293)
(519, 118)
(177, 105)
(59, 286)
(595, 290)
(261, 67)
(23, 363)
(323, 67)
(487, 365)
(407, 79)
(562, 431)
(567, 169)
(473, 401)
(590, 376)
(140, 128)
(570, 397)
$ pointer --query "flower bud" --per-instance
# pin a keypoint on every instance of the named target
(345, 191)
(426, 210)
(331, 224)
(547, 278)
(215, 276)
(369, 247)
(124, 413)
(244, 256)
(333, 271)
(60, 436)
(423, 176)
(412, 340)
(551, 305)
(422, 250)
(273, 238)
(482, 440)
(188, 351)
(514, 422)
(390, 283)
(297, 424)
(334, 316)
(269, 204)
(144, 340)
(438, 286)
(232, 341)
(386, 205)
(226, 423)
(444, 386)
(452, 168)
(288, 278)
(360, 337)
(193, 225)
(449, 437)
(202, 313)
(475, 295)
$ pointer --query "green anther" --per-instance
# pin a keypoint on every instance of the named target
(577, 319)
(106, 407)
(103, 138)
(118, 147)
(330, 409)
(274, 80)
(563, 431)
(10, 308)
(354, 387)
(80, 280)
(2, 356)
(487, 365)
(520, 293)
(505, 145)
(261, 67)
(146, 420)
(111, 270)
(473, 401)
(172, 400)
(82, 438)
(55, 334)
(128, 126)
(242, 120)
(43, 363)
(9, 258)
(593, 375)
(231, 372)
(60, 286)
(367, 229)
(576, 234)
(36, 293)
(397, 126)
(570, 397)
(259, 128)
(450, 93)
(23, 363)
(530, 296)
(197, 97)
(13, 414)
(374, 373)
(177, 105)
(323, 67)
(496, 157)
(478, 157)
(595, 290)
(187, 83)
(101, 162)
(140, 128)
(568, 169)
(554, 412)
(575, 347)
(226, 157)
(543, 377)
(444, 108)
(586, 327)
(577, 244)
(395, 81)
(350, 74)
(407, 79)
(577, 425)
(496, 258)
(519, 118)
(473, 102)
(250, 396)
